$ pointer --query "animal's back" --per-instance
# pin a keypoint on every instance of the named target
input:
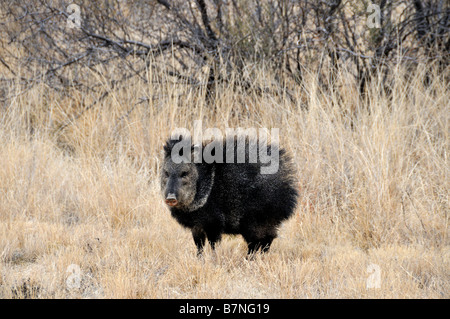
(248, 196)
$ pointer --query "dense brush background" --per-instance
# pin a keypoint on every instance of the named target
(81, 214)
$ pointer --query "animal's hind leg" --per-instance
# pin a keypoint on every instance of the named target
(265, 244)
(254, 244)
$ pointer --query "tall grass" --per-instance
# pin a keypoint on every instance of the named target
(80, 187)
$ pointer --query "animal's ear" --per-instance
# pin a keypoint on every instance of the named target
(178, 149)
(170, 144)
(167, 149)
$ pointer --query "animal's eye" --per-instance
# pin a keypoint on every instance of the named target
(166, 173)
(184, 174)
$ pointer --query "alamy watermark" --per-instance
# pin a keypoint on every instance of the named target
(248, 147)
(373, 281)
(74, 18)
(73, 280)
(374, 18)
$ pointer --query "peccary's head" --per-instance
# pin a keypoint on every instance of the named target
(184, 184)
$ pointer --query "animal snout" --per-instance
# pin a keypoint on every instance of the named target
(171, 200)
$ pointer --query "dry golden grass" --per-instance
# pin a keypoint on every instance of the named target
(81, 215)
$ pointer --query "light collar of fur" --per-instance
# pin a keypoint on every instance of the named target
(204, 192)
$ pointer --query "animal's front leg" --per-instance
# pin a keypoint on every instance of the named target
(199, 239)
(213, 237)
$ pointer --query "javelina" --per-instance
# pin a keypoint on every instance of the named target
(216, 198)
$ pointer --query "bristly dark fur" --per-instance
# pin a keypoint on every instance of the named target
(230, 198)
